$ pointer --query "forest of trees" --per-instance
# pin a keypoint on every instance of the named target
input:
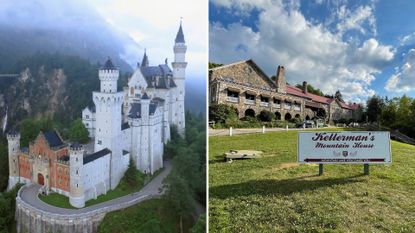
(397, 113)
(186, 184)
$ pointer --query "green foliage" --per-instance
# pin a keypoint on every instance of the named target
(7, 210)
(214, 65)
(222, 112)
(374, 108)
(151, 216)
(78, 132)
(130, 175)
(187, 181)
(276, 194)
(397, 113)
(4, 164)
(311, 89)
(266, 115)
(200, 226)
(30, 128)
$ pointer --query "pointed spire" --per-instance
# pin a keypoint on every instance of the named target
(180, 36)
(108, 65)
(145, 59)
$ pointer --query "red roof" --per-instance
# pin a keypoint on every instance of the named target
(320, 99)
(298, 92)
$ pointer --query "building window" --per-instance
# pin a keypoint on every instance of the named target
(77, 172)
(76, 159)
(99, 142)
(87, 124)
(264, 99)
(233, 94)
(87, 116)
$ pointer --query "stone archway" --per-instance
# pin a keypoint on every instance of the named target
(287, 116)
(297, 116)
(277, 115)
(307, 118)
(40, 179)
(249, 113)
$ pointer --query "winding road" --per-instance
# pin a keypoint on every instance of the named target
(29, 195)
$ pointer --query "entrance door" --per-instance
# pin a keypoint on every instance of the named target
(40, 179)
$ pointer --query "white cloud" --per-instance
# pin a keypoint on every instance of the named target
(356, 20)
(309, 51)
(154, 26)
(403, 80)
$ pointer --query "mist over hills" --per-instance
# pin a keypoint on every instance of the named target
(56, 49)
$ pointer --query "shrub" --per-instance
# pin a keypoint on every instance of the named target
(266, 115)
(221, 112)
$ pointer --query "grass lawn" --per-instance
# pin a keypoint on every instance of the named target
(275, 194)
(151, 216)
(122, 189)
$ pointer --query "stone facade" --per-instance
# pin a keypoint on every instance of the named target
(246, 87)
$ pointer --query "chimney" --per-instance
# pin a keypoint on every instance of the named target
(305, 87)
(280, 79)
(280, 72)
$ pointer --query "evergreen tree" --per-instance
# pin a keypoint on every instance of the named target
(78, 132)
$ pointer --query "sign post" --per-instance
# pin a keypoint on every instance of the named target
(348, 147)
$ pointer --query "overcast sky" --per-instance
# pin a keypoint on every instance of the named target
(154, 25)
(358, 47)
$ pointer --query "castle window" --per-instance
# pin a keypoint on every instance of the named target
(87, 116)
(77, 185)
(99, 141)
(76, 159)
(77, 172)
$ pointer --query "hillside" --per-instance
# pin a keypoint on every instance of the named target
(275, 194)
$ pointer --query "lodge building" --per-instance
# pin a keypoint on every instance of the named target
(246, 87)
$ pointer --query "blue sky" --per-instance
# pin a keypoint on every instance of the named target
(361, 48)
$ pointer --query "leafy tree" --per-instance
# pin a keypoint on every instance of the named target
(221, 112)
(266, 115)
(78, 132)
(374, 108)
(28, 131)
(200, 226)
(179, 196)
(311, 89)
(214, 65)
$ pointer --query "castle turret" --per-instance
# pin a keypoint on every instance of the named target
(179, 68)
(108, 120)
(108, 75)
(144, 161)
(76, 162)
(13, 139)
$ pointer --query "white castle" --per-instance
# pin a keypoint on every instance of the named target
(130, 124)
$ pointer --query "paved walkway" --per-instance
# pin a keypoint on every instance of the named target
(225, 132)
(29, 194)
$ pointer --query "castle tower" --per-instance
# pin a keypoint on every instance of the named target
(179, 68)
(144, 163)
(13, 139)
(76, 162)
(108, 120)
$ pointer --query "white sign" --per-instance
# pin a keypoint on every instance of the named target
(344, 147)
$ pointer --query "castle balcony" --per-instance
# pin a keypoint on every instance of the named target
(287, 106)
(297, 108)
(232, 99)
(276, 105)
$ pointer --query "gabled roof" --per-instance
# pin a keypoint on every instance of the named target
(53, 139)
(298, 92)
(96, 155)
(252, 64)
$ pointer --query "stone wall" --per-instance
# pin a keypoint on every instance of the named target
(30, 219)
